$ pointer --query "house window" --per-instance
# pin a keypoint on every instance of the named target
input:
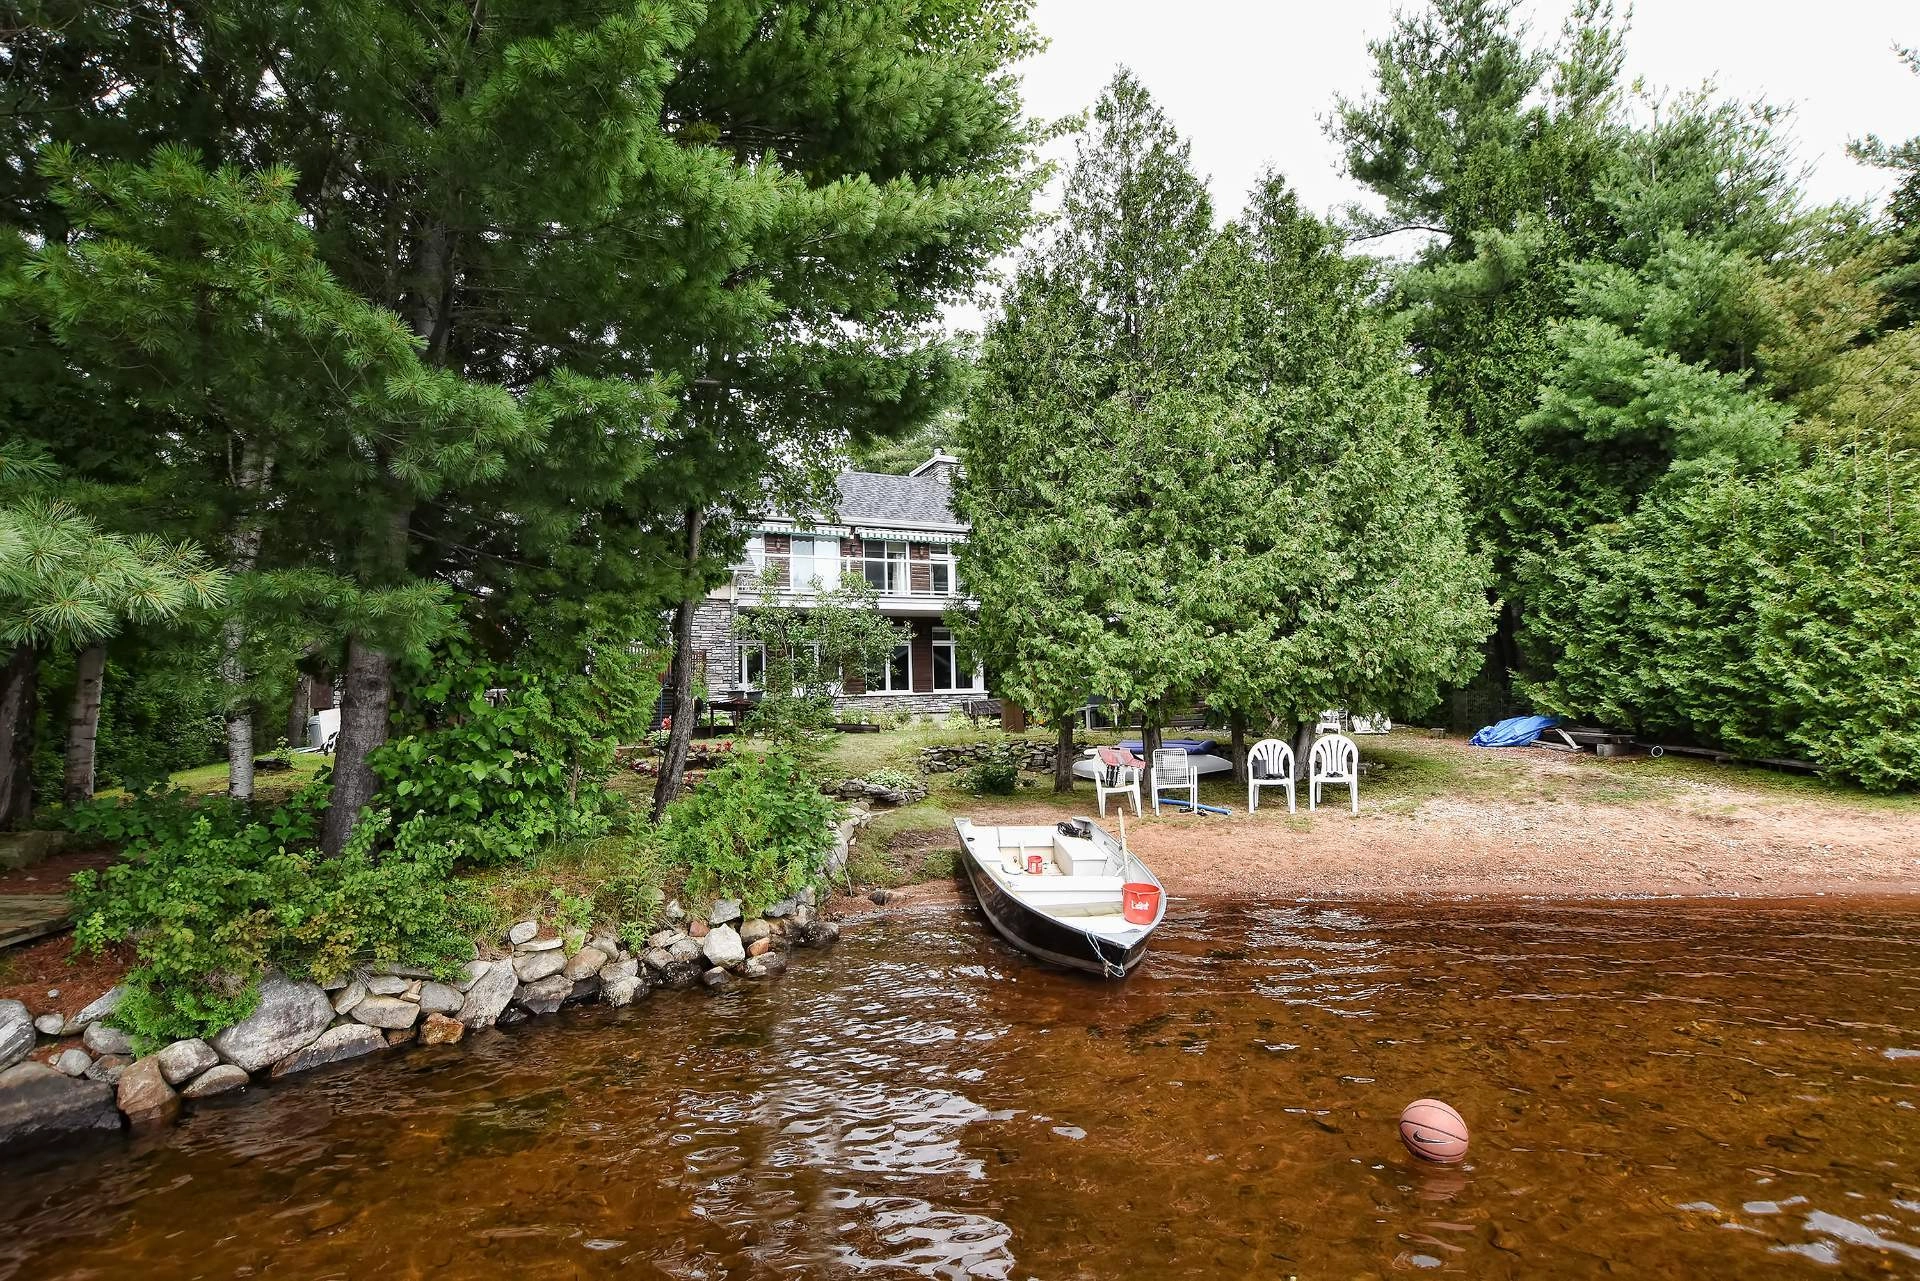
(947, 672)
(753, 666)
(816, 560)
(896, 675)
(886, 566)
(940, 574)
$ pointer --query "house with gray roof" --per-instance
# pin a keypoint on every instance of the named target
(900, 534)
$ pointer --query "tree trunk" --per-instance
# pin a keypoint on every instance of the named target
(243, 550)
(680, 709)
(1239, 750)
(1303, 737)
(83, 723)
(299, 709)
(363, 727)
(1063, 754)
(1149, 744)
(19, 698)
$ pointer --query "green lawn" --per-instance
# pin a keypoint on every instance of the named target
(205, 780)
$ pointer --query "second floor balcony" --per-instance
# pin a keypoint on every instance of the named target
(901, 584)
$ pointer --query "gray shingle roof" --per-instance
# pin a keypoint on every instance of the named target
(876, 498)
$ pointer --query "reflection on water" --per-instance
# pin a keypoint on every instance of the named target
(1654, 1089)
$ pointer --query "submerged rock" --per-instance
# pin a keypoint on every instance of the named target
(290, 1015)
(335, 1045)
(716, 977)
(765, 966)
(38, 1103)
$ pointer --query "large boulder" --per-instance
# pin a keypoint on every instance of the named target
(722, 947)
(108, 1003)
(16, 1042)
(218, 1079)
(586, 961)
(489, 995)
(12, 1011)
(386, 1011)
(184, 1060)
(290, 1015)
(38, 1103)
(143, 1090)
(348, 1041)
(534, 966)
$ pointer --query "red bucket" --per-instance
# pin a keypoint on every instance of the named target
(1139, 902)
(1035, 862)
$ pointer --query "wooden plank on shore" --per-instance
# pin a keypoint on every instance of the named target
(25, 917)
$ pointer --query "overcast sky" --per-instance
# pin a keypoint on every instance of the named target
(1249, 82)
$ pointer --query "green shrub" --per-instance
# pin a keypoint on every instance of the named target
(997, 774)
(757, 829)
(503, 759)
(1770, 613)
(897, 779)
(212, 898)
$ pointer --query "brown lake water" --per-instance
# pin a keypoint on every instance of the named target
(1655, 1089)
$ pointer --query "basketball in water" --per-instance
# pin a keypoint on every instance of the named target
(1433, 1131)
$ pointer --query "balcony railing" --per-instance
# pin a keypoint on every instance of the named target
(889, 577)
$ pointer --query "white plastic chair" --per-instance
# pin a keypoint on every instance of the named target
(1330, 722)
(1173, 772)
(1269, 764)
(1335, 759)
(1112, 776)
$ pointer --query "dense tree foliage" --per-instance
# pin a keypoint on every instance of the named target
(494, 319)
(1198, 467)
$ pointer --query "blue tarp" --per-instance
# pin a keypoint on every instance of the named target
(1191, 746)
(1515, 731)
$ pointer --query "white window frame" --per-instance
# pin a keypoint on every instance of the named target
(952, 647)
(886, 671)
(755, 651)
(943, 559)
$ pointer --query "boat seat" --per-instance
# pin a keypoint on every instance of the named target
(1078, 855)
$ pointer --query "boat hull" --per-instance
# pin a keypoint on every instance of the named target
(1044, 937)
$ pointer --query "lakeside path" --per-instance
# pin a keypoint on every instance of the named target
(1441, 819)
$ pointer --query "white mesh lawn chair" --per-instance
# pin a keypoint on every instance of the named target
(1269, 764)
(1173, 772)
(1335, 759)
(1115, 773)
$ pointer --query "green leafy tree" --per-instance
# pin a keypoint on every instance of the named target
(1331, 563)
(1053, 422)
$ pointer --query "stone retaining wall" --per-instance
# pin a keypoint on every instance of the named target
(63, 1077)
(948, 758)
